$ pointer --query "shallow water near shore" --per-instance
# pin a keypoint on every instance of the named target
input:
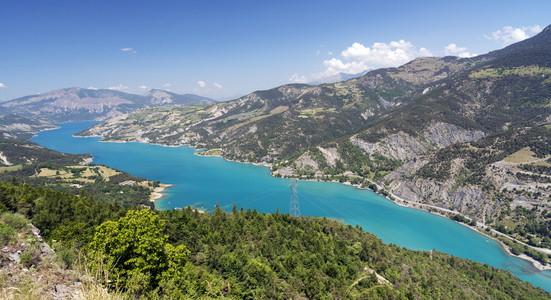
(204, 181)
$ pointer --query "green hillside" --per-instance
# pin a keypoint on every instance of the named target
(246, 254)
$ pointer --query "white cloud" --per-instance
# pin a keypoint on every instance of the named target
(129, 50)
(218, 85)
(202, 83)
(2, 85)
(119, 87)
(295, 78)
(92, 88)
(359, 58)
(392, 54)
(143, 87)
(453, 49)
(509, 34)
(335, 66)
(167, 84)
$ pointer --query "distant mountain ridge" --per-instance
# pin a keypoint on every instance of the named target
(78, 104)
(336, 78)
(162, 97)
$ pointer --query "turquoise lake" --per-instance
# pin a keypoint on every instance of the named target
(202, 182)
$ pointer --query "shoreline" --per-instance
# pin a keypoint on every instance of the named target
(426, 208)
(423, 207)
(157, 193)
(538, 265)
(391, 197)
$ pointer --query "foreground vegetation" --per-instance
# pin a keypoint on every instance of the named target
(245, 254)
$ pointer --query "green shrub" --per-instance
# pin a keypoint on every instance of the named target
(15, 221)
(26, 259)
(6, 233)
(66, 255)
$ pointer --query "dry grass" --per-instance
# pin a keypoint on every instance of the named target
(15, 293)
(542, 163)
(87, 173)
(97, 292)
(11, 168)
(314, 111)
(108, 172)
(91, 288)
(84, 180)
(210, 152)
(279, 110)
(519, 71)
(45, 172)
(524, 155)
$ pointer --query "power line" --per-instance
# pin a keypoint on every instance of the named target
(295, 210)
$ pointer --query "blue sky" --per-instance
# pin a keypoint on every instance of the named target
(224, 49)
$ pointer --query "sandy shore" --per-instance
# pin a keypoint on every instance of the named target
(87, 161)
(158, 192)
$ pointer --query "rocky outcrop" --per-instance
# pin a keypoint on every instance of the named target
(468, 200)
(331, 155)
(305, 162)
(4, 160)
(28, 263)
(405, 147)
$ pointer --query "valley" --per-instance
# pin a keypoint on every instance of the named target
(466, 138)
(435, 131)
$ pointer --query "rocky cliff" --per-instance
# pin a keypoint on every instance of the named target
(29, 268)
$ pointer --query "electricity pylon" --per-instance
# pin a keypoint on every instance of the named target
(295, 210)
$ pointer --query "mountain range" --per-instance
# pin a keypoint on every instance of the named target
(78, 104)
(465, 134)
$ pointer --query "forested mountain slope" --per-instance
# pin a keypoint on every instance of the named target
(268, 125)
(244, 254)
(18, 152)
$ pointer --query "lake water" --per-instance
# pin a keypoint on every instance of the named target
(202, 182)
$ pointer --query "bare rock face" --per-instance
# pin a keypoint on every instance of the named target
(159, 97)
(331, 155)
(470, 200)
(405, 147)
(305, 161)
